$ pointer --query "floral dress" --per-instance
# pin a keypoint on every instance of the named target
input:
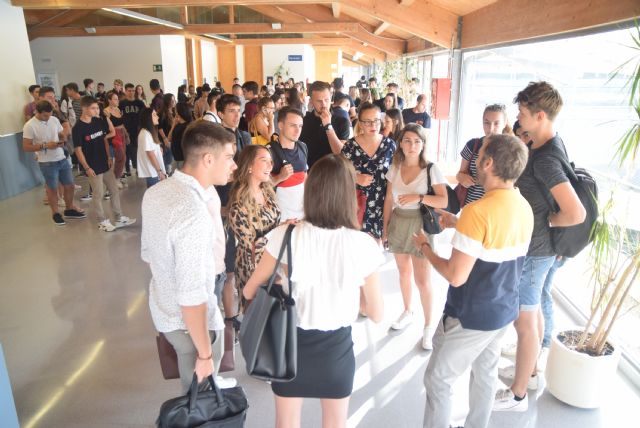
(250, 237)
(376, 166)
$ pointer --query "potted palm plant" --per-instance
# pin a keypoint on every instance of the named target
(582, 361)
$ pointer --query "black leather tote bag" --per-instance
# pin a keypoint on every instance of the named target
(268, 334)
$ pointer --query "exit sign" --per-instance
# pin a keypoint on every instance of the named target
(295, 57)
(157, 67)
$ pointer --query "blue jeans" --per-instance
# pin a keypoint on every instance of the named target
(151, 181)
(57, 171)
(547, 301)
(534, 274)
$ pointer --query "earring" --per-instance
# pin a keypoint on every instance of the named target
(250, 171)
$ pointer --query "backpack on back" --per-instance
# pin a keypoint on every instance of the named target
(569, 241)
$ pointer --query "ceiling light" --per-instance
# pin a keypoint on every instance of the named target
(276, 26)
(357, 55)
(218, 37)
(142, 17)
(90, 30)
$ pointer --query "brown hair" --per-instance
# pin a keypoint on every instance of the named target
(540, 96)
(398, 124)
(509, 156)
(330, 194)
(318, 85)
(202, 135)
(241, 190)
(399, 156)
(500, 108)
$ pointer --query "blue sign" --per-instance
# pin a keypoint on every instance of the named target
(295, 57)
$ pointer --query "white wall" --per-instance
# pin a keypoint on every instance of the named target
(17, 70)
(102, 58)
(274, 55)
(240, 63)
(174, 62)
(209, 61)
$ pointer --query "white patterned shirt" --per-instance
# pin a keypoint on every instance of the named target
(183, 241)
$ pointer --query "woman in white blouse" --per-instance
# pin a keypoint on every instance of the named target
(150, 162)
(412, 180)
(332, 260)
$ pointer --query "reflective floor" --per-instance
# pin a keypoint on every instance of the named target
(80, 345)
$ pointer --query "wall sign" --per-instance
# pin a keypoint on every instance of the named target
(295, 58)
(157, 67)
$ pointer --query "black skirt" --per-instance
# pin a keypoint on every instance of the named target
(326, 365)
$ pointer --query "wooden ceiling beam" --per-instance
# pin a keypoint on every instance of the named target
(394, 47)
(320, 41)
(381, 28)
(372, 52)
(560, 16)
(133, 4)
(422, 18)
(314, 12)
(335, 9)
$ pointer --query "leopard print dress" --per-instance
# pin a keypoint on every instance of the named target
(250, 238)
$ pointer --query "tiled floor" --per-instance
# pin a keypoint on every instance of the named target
(80, 345)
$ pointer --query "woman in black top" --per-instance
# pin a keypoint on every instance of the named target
(121, 139)
(183, 117)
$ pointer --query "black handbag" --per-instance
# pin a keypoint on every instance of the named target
(213, 408)
(268, 334)
(430, 218)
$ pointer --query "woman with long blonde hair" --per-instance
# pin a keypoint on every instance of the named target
(253, 210)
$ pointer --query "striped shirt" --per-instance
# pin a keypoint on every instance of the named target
(495, 230)
(475, 192)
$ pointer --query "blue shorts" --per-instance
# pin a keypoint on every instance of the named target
(58, 171)
(534, 274)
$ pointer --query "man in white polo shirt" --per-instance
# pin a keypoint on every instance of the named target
(183, 241)
(44, 135)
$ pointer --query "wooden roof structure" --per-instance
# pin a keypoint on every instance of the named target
(371, 30)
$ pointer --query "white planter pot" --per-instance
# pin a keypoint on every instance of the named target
(579, 379)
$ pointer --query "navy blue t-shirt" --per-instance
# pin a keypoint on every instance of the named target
(422, 119)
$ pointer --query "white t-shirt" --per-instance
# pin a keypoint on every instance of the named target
(419, 185)
(146, 144)
(329, 267)
(211, 117)
(44, 132)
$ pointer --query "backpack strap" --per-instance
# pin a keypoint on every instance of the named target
(567, 167)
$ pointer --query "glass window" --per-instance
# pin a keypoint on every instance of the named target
(594, 117)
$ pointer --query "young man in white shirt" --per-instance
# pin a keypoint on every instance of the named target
(183, 241)
(44, 134)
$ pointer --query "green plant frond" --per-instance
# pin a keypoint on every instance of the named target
(628, 145)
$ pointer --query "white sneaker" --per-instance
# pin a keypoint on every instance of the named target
(120, 185)
(509, 373)
(505, 401)
(404, 320)
(61, 202)
(124, 221)
(509, 350)
(427, 334)
(106, 226)
(225, 382)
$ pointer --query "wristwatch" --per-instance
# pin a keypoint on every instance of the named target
(327, 127)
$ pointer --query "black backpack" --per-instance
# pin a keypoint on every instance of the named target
(569, 241)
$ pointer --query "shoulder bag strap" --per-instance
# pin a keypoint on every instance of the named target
(429, 188)
(476, 143)
(289, 259)
(285, 243)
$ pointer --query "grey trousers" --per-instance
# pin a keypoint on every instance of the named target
(187, 353)
(454, 350)
(98, 192)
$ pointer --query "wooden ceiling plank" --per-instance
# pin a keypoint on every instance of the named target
(277, 14)
(134, 4)
(422, 18)
(65, 18)
(263, 28)
(560, 16)
(395, 47)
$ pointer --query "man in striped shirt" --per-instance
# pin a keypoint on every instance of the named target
(489, 246)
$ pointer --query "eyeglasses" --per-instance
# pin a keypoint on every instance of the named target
(375, 122)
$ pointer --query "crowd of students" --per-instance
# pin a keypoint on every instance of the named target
(352, 175)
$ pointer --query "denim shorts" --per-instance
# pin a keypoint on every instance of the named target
(534, 273)
(57, 171)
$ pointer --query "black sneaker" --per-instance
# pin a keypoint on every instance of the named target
(58, 220)
(74, 214)
(107, 196)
